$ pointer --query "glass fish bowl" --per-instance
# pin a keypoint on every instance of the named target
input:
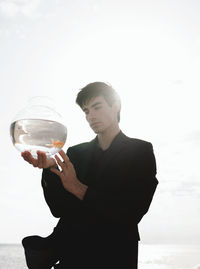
(38, 127)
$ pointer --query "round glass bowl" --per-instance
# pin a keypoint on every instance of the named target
(38, 127)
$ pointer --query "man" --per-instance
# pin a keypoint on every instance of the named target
(100, 191)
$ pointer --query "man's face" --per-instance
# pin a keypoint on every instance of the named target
(100, 115)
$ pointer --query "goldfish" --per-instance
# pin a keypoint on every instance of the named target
(57, 143)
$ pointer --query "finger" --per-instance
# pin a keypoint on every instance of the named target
(60, 163)
(27, 160)
(27, 157)
(56, 171)
(43, 159)
(64, 156)
(24, 156)
(32, 160)
(40, 159)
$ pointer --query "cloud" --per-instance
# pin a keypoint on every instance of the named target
(13, 8)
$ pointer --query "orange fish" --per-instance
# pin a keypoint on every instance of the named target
(57, 143)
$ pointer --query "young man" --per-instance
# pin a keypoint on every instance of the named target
(100, 191)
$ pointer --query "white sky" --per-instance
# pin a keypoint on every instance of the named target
(150, 52)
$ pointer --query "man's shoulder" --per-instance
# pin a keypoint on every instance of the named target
(126, 140)
(82, 146)
(137, 142)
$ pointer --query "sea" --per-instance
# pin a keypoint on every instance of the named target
(150, 256)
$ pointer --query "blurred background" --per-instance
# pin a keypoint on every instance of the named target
(149, 51)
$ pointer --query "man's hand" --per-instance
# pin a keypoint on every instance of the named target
(68, 176)
(41, 162)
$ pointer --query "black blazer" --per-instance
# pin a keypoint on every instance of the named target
(118, 194)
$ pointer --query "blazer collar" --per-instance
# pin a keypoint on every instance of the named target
(118, 139)
(115, 148)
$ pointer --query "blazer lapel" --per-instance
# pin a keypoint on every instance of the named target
(86, 161)
(116, 147)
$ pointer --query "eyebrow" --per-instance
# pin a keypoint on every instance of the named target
(95, 104)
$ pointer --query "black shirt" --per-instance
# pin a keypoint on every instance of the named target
(98, 159)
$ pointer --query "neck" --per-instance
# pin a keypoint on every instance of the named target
(106, 138)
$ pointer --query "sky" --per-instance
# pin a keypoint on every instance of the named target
(149, 51)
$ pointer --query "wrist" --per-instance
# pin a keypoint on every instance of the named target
(80, 190)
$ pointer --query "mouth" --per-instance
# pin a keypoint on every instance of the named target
(94, 124)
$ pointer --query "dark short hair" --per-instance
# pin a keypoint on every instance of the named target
(95, 89)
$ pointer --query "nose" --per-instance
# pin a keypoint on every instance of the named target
(90, 116)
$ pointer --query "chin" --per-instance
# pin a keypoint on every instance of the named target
(97, 131)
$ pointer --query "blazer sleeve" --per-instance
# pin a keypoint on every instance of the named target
(136, 191)
(60, 201)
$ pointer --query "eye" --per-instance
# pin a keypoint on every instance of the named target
(97, 107)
